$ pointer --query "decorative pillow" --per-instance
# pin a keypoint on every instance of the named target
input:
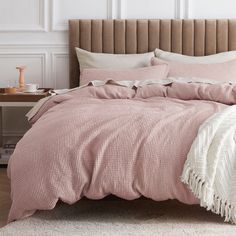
(116, 61)
(145, 73)
(216, 58)
(223, 72)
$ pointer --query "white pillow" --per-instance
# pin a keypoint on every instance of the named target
(211, 59)
(116, 61)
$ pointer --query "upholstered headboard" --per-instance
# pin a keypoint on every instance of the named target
(189, 37)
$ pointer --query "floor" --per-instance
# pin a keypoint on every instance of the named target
(5, 201)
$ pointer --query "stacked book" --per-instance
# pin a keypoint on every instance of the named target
(5, 153)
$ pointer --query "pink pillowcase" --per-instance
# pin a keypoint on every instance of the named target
(222, 72)
(157, 72)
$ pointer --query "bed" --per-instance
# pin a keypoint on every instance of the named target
(129, 140)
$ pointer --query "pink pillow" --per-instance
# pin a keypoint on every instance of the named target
(157, 72)
(222, 72)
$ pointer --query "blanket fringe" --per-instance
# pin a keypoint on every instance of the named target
(208, 198)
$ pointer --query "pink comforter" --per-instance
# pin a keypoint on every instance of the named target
(97, 141)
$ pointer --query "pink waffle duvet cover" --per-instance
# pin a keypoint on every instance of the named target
(111, 139)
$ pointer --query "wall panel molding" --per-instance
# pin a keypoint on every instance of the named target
(111, 9)
(56, 26)
(188, 9)
(41, 46)
(181, 9)
(210, 9)
(49, 54)
(55, 56)
(41, 25)
(122, 9)
(43, 56)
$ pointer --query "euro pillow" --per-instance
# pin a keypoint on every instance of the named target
(221, 72)
(216, 58)
(157, 72)
(117, 61)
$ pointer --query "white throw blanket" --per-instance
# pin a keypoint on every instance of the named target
(210, 169)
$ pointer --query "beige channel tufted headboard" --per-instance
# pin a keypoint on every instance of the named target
(189, 37)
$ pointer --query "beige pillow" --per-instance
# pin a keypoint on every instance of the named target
(211, 59)
(116, 61)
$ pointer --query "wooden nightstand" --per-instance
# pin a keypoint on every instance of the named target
(17, 100)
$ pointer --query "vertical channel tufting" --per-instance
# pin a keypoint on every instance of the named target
(131, 36)
(142, 29)
(153, 34)
(165, 35)
(85, 34)
(96, 36)
(188, 37)
(108, 36)
(222, 36)
(74, 41)
(232, 34)
(210, 37)
(176, 36)
(199, 37)
(119, 36)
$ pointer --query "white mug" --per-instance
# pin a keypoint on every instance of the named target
(31, 88)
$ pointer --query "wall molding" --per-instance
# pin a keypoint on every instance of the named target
(181, 9)
(41, 46)
(48, 53)
(56, 26)
(41, 26)
(43, 56)
(117, 9)
(111, 9)
(188, 9)
(54, 57)
(122, 8)
(63, 26)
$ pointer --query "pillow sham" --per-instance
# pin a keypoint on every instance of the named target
(117, 61)
(157, 72)
(222, 72)
(216, 58)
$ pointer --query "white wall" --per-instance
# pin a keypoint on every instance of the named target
(34, 32)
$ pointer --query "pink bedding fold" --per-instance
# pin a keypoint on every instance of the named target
(97, 141)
